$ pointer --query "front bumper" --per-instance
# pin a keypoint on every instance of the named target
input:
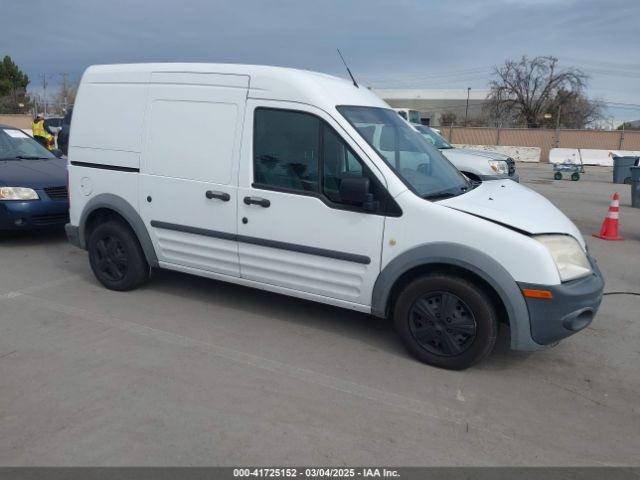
(572, 308)
(32, 214)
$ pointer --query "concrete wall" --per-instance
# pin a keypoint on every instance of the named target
(17, 120)
(544, 139)
(519, 154)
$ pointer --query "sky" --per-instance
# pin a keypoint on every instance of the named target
(388, 44)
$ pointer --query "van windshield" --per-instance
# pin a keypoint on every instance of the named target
(418, 163)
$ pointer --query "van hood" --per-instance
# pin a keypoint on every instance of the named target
(511, 204)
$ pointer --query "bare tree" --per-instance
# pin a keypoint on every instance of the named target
(572, 110)
(66, 95)
(526, 89)
(447, 118)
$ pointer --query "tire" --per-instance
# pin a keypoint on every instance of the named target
(116, 257)
(575, 177)
(558, 176)
(453, 342)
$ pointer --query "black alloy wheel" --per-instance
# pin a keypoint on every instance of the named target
(112, 259)
(442, 323)
(116, 257)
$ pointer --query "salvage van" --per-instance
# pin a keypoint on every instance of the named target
(273, 178)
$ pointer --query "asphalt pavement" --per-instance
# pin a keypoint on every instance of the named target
(190, 371)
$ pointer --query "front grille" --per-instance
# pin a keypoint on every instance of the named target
(512, 166)
(51, 219)
(56, 193)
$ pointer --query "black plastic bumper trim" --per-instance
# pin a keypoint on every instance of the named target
(103, 166)
(321, 252)
(572, 308)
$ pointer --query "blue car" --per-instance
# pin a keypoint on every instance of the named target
(33, 183)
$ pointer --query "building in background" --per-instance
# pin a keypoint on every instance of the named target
(432, 103)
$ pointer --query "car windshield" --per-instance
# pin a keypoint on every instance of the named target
(418, 163)
(433, 138)
(17, 145)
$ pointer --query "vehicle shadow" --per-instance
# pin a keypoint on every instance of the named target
(22, 238)
(377, 332)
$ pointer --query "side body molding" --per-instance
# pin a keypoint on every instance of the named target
(124, 208)
(472, 260)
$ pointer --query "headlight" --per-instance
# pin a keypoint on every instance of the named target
(18, 193)
(499, 166)
(570, 259)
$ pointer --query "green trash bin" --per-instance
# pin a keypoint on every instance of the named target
(622, 168)
(635, 187)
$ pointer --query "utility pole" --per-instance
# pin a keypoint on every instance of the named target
(65, 90)
(466, 110)
(45, 81)
(558, 126)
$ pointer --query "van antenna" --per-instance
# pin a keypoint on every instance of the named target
(347, 67)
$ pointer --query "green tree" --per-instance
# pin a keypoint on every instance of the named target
(13, 87)
(12, 79)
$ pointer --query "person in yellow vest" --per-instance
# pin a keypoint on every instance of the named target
(41, 135)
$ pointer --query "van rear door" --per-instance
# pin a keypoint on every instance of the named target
(189, 171)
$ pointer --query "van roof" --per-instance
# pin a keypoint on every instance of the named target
(265, 82)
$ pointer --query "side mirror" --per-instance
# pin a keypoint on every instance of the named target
(57, 152)
(356, 192)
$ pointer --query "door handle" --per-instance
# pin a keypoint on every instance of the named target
(225, 197)
(263, 202)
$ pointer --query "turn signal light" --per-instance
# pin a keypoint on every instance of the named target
(528, 292)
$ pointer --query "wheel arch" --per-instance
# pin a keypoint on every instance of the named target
(465, 261)
(109, 205)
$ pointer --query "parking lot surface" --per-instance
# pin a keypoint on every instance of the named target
(190, 371)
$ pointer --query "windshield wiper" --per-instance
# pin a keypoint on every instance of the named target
(31, 157)
(439, 195)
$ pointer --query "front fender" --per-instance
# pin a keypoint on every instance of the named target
(472, 260)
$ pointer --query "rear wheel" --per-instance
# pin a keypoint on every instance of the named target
(558, 176)
(116, 257)
(446, 321)
(575, 177)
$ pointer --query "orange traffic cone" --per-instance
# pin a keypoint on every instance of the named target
(609, 229)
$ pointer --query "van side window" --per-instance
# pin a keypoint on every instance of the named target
(299, 152)
(286, 150)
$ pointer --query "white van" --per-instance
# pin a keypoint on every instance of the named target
(306, 185)
(411, 116)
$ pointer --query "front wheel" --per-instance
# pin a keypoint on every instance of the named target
(575, 177)
(116, 257)
(558, 176)
(446, 321)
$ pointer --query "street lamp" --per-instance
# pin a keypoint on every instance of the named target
(466, 110)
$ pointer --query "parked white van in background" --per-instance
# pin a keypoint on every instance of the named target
(306, 185)
(411, 116)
